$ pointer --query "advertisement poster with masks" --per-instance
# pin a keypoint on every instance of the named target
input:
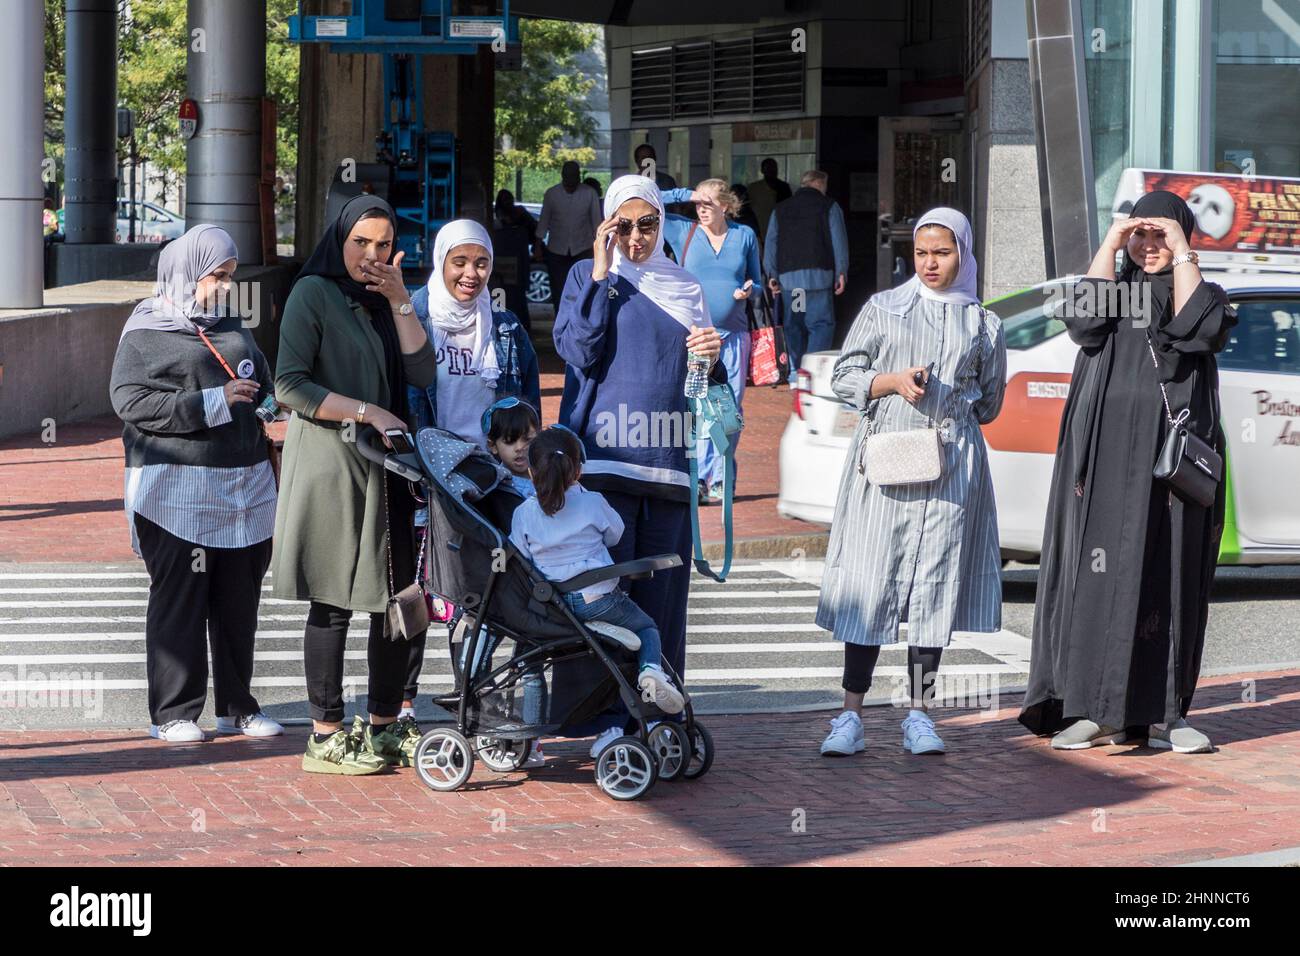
(1256, 218)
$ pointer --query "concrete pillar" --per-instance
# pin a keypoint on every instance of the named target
(90, 122)
(22, 78)
(339, 116)
(227, 78)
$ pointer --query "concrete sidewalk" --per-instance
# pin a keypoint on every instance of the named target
(61, 501)
(999, 796)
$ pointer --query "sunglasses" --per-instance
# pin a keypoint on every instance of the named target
(646, 225)
(486, 421)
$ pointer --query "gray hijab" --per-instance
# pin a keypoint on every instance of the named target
(181, 264)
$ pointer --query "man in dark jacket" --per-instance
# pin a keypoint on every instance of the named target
(806, 256)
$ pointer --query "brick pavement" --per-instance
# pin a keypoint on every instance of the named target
(62, 501)
(999, 796)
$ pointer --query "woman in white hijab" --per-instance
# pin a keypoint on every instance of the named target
(485, 361)
(626, 322)
(923, 355)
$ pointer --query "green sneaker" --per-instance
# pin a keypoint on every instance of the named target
(394, 743)
(341, 752)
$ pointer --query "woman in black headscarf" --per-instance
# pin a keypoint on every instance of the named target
(350, 343)
(1126, 569)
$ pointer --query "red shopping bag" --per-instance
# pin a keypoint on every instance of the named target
(769, 364)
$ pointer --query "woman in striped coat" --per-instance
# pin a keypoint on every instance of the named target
(923, 353)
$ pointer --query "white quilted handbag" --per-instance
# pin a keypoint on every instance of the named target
(915, 456)
(912, 457)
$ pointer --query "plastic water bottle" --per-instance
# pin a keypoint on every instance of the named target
(697, 375)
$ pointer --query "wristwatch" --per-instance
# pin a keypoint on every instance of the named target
(1189, 256)
(405, 309)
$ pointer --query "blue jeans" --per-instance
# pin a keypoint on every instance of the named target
(618, 609)
(735, 358)
(811, 330)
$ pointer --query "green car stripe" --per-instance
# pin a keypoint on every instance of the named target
(1229, 546)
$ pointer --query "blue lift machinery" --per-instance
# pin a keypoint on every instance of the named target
(414, 168)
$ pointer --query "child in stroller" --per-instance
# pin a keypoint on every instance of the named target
(566, 530)
(508, 603)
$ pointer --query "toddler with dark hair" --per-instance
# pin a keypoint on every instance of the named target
(567, 530)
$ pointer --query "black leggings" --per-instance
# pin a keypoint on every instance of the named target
(860, 664)
(324, 643)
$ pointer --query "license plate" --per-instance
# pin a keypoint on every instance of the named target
(846, 420)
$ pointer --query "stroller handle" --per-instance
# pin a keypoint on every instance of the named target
(372, 448)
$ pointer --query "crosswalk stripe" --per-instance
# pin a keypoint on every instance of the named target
(695, 675)
(281, 602)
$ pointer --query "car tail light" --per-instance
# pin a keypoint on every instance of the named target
(802, 387)
(1030, 420)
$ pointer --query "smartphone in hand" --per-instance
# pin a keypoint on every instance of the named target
(922, 378)
(400, 440)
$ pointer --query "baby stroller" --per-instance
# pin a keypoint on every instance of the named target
(560, 672)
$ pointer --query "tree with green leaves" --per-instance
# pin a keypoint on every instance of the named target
(153, 37)
(544, 103)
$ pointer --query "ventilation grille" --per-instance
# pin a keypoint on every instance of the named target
(756, 74)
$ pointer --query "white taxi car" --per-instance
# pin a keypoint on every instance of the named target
(1259, 380)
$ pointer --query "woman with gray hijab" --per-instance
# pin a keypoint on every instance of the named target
(200, 491)
(923, 355)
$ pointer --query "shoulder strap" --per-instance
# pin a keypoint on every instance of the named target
(726, 449)
(686, 246)
(213, 349)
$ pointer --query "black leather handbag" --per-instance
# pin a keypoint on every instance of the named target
(1187, 464)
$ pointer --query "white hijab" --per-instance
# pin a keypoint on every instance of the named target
(449, 314)
(963, 289)
(661, 280)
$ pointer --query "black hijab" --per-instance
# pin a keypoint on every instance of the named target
(327, 261)
(1160, 204)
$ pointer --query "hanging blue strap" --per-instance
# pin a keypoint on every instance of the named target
(726, 448)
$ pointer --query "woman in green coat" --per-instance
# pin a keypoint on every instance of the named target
(349, 345)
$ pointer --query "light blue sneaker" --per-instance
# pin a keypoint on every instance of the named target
(919, 735)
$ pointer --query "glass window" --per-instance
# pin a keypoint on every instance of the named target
(1266, 337)
(1107, 49)
(1256, 88)
(1025, 321)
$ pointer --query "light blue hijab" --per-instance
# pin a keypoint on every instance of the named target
(181, 264)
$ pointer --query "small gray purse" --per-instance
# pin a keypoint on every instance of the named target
(914, 456)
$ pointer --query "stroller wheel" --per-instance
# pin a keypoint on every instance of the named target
(625, 769)
(701, 752)
(671, 749)
(502, 756)
(444, 759)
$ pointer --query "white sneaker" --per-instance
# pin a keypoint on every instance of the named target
(846, 737)
(250, 725)
(177, 732)
(919, 735)
(657, 688)
(535, 757)
(604, 740)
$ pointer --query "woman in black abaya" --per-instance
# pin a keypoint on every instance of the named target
(1126, 569)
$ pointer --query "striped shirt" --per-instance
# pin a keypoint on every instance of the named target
(925, 553)
(210, 507)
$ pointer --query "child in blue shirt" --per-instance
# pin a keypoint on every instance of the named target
(510, 426)
(566, 530)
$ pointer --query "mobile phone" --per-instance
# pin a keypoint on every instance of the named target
(400, 440)
(920, 378)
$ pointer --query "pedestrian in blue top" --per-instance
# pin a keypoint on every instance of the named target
(723, 256)
(628, 318)
(482, 357)
(806, 254)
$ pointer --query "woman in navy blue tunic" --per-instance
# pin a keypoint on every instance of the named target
(626, 321)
